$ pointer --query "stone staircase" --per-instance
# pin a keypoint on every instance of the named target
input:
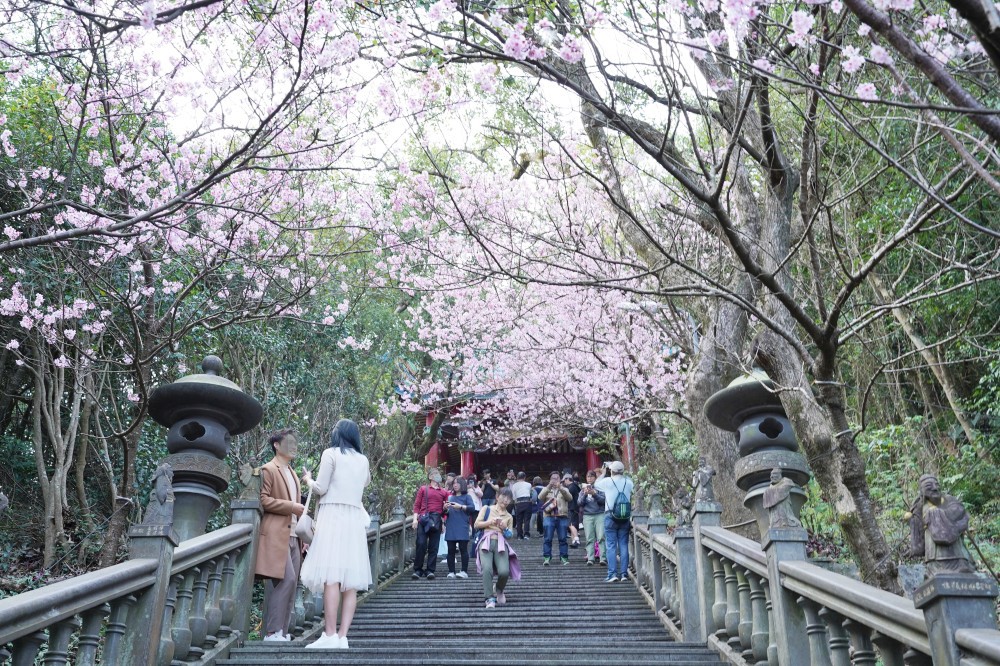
(559, 614)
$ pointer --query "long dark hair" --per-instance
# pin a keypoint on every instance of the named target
(346, 436)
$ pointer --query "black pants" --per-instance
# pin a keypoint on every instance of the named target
(522, 519)
(538, 524)
(427, 546)
(463, 548)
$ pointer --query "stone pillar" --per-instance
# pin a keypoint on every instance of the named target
(657, 525)
(689, 589)
(246, 511)
(148, 641)
(953, 601)
(706, 514)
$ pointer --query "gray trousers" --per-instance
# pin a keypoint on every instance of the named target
(279, 595)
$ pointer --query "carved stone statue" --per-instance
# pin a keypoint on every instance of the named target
(702, 482)
(778, 501)
(682, 507)
(937, 523)
(160, 510)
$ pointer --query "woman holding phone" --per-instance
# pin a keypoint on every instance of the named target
(493, 550)
(456, 532)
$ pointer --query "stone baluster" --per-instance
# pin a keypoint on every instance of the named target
(675, 595)
(90, 635)
(665, 593)
(60, 634)
(759, 633)
(861, 642)
(890, 650)
(309, 608)
(819, 649)
(4, 654)
(227, 604)
(213, 614)
(26, 648)
(840, 644)
(197, 621)
(374, 551)
(746, 612)
(719, 605)
(298, 620)
(115, 632)
(732, 606)
(772, 641)
(181, 630)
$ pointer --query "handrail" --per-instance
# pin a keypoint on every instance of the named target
(35, 610)
(980, 642)
(209, 546)
(735, 548)
(891, 615)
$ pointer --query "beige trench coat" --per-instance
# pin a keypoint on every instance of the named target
(276, 526)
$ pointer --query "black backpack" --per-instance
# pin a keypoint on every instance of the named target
(622, 508)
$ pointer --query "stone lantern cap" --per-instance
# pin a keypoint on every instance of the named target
(206, 394)
(745, 396)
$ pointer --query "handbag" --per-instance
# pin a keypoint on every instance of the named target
(305, 528)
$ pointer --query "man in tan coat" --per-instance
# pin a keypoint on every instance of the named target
(279, 554)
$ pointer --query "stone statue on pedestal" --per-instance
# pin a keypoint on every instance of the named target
(160, 510)
(702, 481)
(778, 501)
(937, 523)
(682, 507)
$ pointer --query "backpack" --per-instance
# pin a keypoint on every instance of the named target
(622, 508)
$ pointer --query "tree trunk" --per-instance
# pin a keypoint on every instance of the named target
(940, 371)
(716, 364)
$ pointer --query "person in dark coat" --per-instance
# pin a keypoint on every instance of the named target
(457, 528)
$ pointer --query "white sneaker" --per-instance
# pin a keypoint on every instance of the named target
(278, 636)
(325, 642)
(461, 574)
(343, 643)
(451, 575)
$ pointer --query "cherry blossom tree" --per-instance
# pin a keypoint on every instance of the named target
(758, 120)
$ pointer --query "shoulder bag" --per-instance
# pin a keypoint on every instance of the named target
(305, 528)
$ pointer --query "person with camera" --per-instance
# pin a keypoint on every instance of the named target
(536, 508)
(457, 529)
(591, 501)
(617, 489)
(570, 484)
(489, 488)
(555, 499)
(493, 550)
(428, 509)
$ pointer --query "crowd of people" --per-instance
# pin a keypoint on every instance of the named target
(481, 521)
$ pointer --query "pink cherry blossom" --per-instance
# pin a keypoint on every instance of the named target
(867, 91)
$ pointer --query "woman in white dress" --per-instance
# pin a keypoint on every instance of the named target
(337, 563)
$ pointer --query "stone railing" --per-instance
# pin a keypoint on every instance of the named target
(196, 597)
(770, 605)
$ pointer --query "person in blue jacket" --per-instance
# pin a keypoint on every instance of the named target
(457, 529)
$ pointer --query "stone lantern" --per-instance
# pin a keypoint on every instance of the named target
(203, 412)
(750, 407)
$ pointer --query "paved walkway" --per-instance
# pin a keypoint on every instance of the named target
(555, 614)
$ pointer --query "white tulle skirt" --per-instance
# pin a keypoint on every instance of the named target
(339, 551)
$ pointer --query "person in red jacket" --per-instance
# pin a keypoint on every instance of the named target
(428, 509)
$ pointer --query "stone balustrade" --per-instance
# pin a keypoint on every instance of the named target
(107, 616)
(844, 621)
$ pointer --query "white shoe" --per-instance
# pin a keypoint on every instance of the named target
(451, 575)
(325, 642)
(461, 574)
(278, 636)
(343, 643)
